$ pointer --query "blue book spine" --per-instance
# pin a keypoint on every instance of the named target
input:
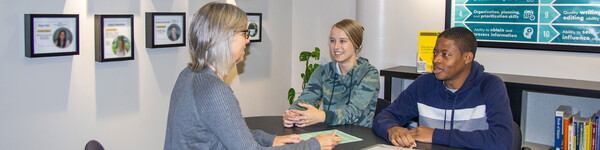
(578, 138)
(597, 132)
(558, 132)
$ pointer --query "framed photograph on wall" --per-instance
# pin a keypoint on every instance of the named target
(255, 26)
(114, 37)
(51, 35)
(165, 29)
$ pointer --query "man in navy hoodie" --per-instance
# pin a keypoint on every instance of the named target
(458, 104)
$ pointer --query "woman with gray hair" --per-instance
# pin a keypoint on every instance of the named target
(204, 113)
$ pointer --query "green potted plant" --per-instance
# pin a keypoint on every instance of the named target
(310, 68)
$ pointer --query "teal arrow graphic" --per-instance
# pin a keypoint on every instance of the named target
(577, 34)
(546, 1)
(460, 25)
(548, 14)
(460, 1)
(547, 33)
(461, 13)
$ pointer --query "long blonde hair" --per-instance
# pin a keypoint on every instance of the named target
(211, 33)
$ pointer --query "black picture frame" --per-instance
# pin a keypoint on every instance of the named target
(565, 47)
(255, 26)
(43, 32)
(112, 30)
(159, 25)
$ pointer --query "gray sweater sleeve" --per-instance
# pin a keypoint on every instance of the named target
(263, 138)
(220, 113)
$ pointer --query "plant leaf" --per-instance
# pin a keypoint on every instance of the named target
(312, 67)
(309, 70)
(291, 95)
(304, 56)
(317, 53)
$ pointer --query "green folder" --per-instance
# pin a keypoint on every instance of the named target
(346, 138)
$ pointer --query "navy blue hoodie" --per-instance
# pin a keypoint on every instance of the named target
(482, 117)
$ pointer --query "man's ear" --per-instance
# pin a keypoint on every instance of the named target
(467, 57)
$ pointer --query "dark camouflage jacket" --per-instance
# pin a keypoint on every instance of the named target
(354, 95)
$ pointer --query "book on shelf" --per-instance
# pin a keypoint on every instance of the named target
(594, 132)
(587, 132)
(562, 112)
(425, 56)
(571, 135)
(577, 131)
(567, 121)
(597, 130)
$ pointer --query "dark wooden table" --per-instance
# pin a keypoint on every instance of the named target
(274, 125)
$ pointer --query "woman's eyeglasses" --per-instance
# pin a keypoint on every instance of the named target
(246, 33)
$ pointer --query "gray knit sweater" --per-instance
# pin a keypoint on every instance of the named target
(204, 114)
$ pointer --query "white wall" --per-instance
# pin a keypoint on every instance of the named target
(392, 27)
(264, 80)
(62, 102)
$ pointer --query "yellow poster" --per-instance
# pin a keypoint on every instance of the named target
(425, 54)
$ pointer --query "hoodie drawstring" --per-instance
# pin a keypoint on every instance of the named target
(445, 105)
(452, 117)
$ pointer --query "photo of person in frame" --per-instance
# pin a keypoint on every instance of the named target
(253, 29)
(121, 45)
(174, 32)
(62, 38)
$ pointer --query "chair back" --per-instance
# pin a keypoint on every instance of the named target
(517, 137)
(381, 104)
(93, 145)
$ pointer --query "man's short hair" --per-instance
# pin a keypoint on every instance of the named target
(465, 39)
